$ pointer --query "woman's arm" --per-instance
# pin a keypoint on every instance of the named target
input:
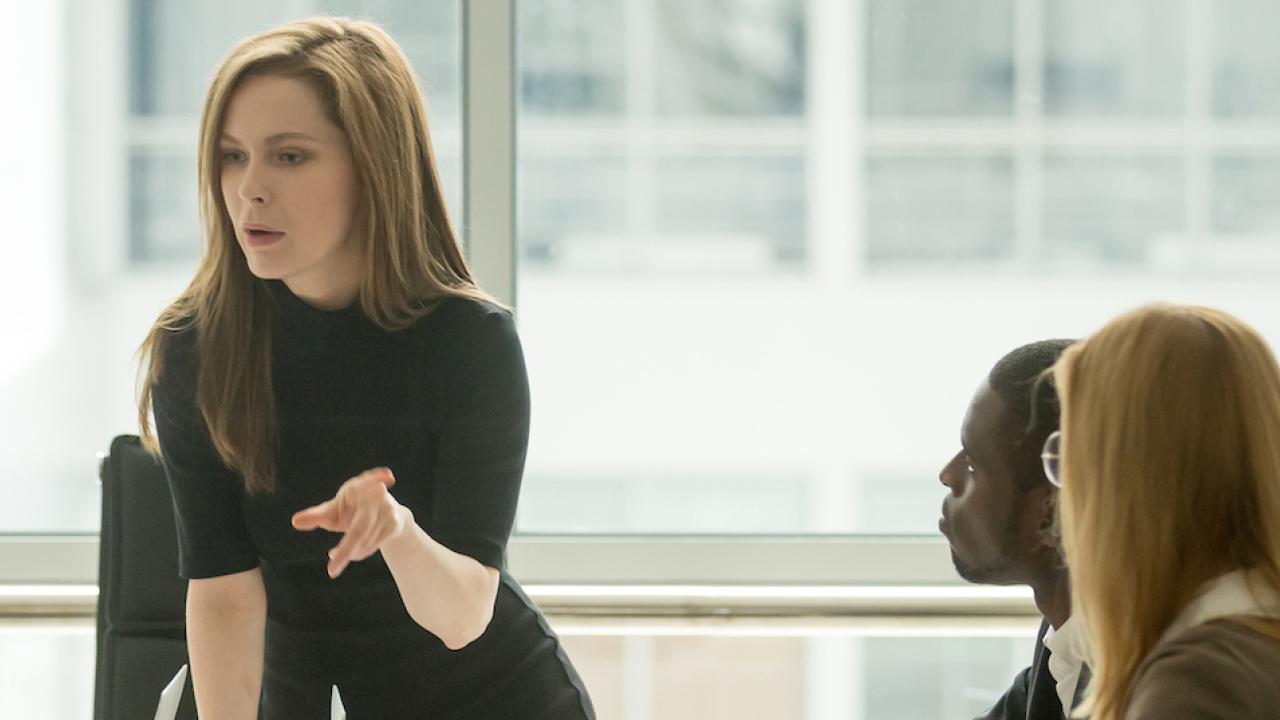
(449, 594)
(226, 619)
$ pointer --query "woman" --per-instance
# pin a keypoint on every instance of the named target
(343, 415)
(1170, 508)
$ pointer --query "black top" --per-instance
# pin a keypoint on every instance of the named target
(444, 404)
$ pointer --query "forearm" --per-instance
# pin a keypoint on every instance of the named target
(225, 644)
(449, 594)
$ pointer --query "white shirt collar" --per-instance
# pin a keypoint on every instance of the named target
(1226, 595)
(1068, 648)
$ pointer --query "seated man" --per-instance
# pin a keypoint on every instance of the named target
(1000, 518)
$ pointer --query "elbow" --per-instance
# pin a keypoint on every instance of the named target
(466, 630)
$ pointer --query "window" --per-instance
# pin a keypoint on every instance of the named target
(768, 248)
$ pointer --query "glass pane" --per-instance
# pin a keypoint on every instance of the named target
(1112, 210)
(572, 209)
(164, 206)
(742, 317)
(170, 65)
(939, 211)
(926, 58)
(744, 57)
(1246, 58)
(1136, 66)
(1246, 198)
(657, 500)
(718, 214)
(48, 670)
(571, 62)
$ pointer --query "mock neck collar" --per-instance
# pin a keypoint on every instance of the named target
(294, 311)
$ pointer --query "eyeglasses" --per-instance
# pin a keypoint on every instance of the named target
(1049, 456)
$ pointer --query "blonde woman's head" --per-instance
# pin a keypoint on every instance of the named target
(1171, 474)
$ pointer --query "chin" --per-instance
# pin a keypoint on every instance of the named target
(265, 271)
(266, 275)
(979, 575)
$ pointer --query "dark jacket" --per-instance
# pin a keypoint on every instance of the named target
(1034, 694)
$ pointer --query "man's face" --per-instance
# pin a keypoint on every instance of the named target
(983, 515)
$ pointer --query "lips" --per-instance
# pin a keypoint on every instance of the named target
(258, 235)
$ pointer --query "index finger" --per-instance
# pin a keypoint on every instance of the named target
(324, 515)
(381, 474)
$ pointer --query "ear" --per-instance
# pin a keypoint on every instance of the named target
(1049, 527)
(1040, 515)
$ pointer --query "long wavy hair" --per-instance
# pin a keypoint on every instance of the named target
(412, 258)
(1171, 476)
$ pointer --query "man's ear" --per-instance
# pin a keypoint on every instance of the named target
(1042, 513)
(1050, 526)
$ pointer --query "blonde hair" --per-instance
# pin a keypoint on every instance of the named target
(1171, 476)
(411, 255)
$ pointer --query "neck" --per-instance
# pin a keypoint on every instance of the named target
(1053, 596)
(332, 286)
(324, 298)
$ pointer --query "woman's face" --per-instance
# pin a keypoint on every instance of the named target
(289, 184)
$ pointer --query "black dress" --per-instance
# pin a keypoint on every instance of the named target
(445, 405)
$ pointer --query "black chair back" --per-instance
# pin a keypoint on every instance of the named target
(141, 601)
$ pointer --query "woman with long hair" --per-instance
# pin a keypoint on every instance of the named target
(342, 414)
(1169, 461)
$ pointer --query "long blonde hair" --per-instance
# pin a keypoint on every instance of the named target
(411, 255)
(1171, 476)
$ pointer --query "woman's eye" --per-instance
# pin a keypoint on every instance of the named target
(230, 156)
(290, 158)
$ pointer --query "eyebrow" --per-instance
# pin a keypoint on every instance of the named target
(272, 139)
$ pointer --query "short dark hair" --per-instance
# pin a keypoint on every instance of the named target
(1031, 401)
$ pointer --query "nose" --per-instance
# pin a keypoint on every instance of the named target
(947, 475)
(253, 188)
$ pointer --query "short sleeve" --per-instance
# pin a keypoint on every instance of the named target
(483, 438)
(207, 495)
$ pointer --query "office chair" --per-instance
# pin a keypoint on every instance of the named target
(141, 600)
